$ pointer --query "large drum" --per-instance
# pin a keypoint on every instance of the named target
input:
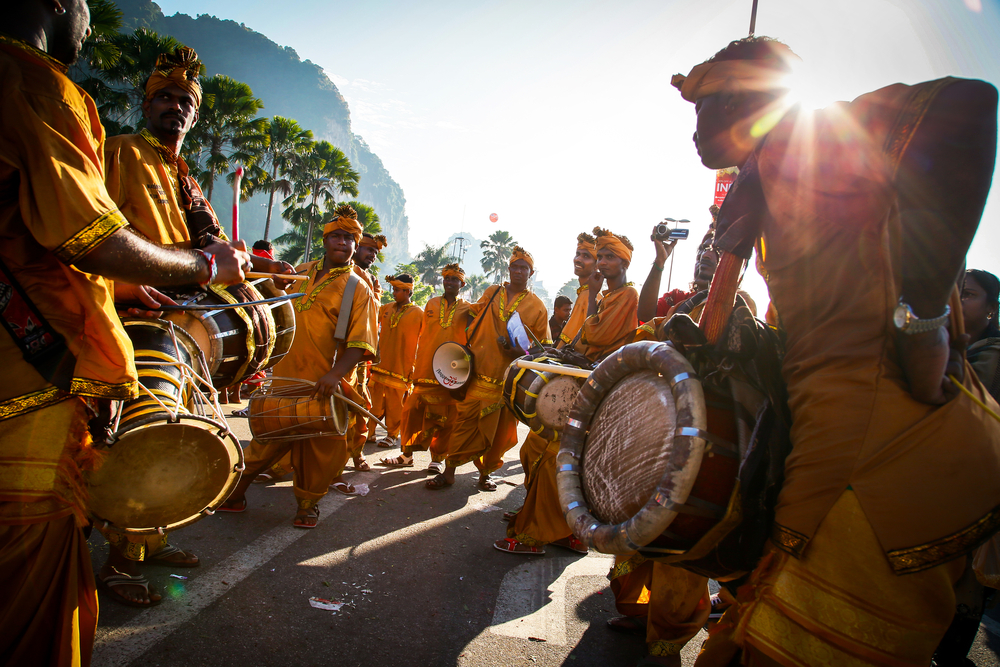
(237, 342)
(650, 459)
(166, 467)
(283, 409)
(283, 313)
(539, 398)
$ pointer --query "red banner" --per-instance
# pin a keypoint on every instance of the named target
(723, 180)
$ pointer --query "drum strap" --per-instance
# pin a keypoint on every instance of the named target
(41, 346)
(346, 306)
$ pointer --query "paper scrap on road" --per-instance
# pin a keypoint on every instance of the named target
(177, 576)
(323, 603)
(489, 508)
(361, 489)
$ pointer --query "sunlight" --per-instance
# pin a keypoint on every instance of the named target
(809, 89)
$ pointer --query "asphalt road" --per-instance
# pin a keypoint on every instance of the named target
(415, 570)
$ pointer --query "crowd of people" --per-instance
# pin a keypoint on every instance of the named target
(859, 216)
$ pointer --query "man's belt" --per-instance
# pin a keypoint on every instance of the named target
(41, 346)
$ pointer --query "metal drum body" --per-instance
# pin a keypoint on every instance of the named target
(166, 467)
(649, 462)
(237, 342)
(283, 410)
(540, 399)
(283, 313)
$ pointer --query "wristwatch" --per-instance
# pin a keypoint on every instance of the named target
(908, 323)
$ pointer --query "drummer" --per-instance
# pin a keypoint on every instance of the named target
(400, 324)
(540, 521)
(430, 411)
(62, 239)
(316, 356)
(149, 181)
(486, 429)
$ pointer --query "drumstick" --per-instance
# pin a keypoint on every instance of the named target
(275, 276)
(552, 368)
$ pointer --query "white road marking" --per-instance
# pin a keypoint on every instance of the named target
(990, 626)
(532, 599)
(122, 645)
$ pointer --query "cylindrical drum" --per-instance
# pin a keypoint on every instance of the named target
(285, 411)
(283, 313)
(541, 399)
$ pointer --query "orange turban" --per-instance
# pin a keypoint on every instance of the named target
(730, 76)
(586, 242)
(378, 242)
(453, 270)
(345, 217)
(521, 253)
(619, 245)
(398, 281)
(180, 68)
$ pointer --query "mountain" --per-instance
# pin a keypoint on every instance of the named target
(289, 87)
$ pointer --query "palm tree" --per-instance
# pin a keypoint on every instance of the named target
(475, 285)
(227, 133)
(430, 261)
(285, 139)
(496, 254)
(421, 292)
(317, 176)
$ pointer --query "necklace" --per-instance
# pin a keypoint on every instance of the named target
(446, 315)
(305, 303)
(504, 315)
(394, 317)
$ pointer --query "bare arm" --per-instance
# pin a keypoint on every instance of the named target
(350, 358)
(128, 257)
(944, 178)
(651, 288)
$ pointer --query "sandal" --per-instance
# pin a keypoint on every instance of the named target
(174, 557)
(435, 467)
(572, 544)
(510, 516)
(397, 462)
(633, 625)
(308, 520)
(486, 484)
(113, 581)
(512, 546)
(237, 508)
(438, 482)
(386, 442)
(245, 412)
(362, 466)
(266, 476)
(345, 488)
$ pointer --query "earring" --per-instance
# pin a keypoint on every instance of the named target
(60, 10)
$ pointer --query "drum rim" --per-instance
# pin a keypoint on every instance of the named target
(341, 422)
(224, 434)
(673, 488)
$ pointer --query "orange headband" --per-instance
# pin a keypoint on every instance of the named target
(730, 76)
(453, 270)
(399, 283)
(180, 68)
(615, 244)
(350, 225)
(521, 253)
(378, 242)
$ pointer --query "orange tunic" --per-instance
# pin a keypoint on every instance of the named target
(429, 413)
(399, 331)
(576, 317)
(616, 318)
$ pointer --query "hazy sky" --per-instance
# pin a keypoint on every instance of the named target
(559, 116)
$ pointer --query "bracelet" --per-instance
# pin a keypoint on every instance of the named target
(657, 267)
(213, 268)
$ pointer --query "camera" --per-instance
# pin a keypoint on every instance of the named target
(664, 232)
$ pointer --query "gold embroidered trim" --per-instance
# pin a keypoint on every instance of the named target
(564, 338)
(789, 540)
(909, 120)
(15, 42)
(663, 647)
(90, 236)
(582, 288)
(487, 411)
(524, 538)
(39, 399)
(489, 380)
(395, 317)
(446, 322)
(363, 345)
(430, 382)
(926, 556)
(306, 302)
(504, 315)
(376, 369)
(606, 293)
(625, 567)
(166, 154)
(97, 389)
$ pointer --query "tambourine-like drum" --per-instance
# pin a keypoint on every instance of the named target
(648, 461)
(282, 409)
(166, 467)
(283, 313)
(541, 399)
(237, 342)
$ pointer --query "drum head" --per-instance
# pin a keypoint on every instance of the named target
(629, 446)
(161, 475)
(555, 400)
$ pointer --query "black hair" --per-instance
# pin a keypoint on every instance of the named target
(758, 48)
(991, 285)
(561, 300)
(263, 245)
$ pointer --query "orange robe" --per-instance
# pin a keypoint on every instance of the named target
(318, 460)
(877, 484)
(576, 317)
(429, 412)
(357, 434)
(486, 428)
(399, 331)
(54, 212)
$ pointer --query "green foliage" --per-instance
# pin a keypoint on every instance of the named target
(430, 261)
(422, 293)
(475, 285)
(496, 254)
(284, 141)
(569, 289)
